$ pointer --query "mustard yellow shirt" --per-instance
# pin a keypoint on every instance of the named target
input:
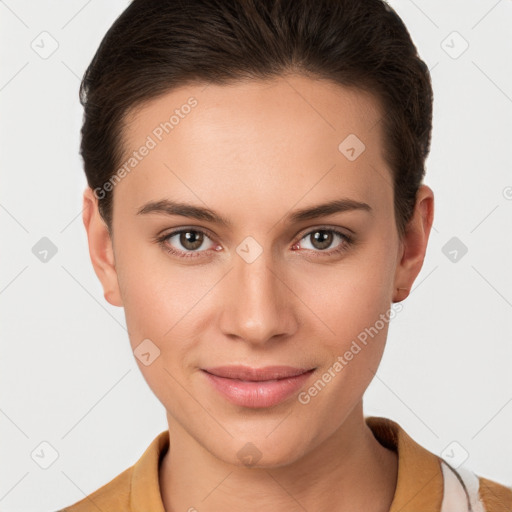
(425, 483)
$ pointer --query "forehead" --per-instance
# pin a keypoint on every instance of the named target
(289, 135)
(284, 100)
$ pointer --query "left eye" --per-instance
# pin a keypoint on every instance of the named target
(322, 239)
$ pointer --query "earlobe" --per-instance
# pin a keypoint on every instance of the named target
(101, 249)
(414, 245)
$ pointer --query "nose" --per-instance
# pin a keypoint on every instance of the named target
(259, 305)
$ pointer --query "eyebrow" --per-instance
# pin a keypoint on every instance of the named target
(168, 207)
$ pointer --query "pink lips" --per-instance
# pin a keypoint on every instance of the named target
(257, 387)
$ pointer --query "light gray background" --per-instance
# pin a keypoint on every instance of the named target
(68, 376)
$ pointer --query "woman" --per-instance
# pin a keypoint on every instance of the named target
(256, 206)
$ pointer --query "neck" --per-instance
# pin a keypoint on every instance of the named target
(350, 470)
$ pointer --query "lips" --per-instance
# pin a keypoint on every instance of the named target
(257, 387)
(256, 374)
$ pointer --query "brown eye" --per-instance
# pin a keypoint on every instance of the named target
(321, 239)
(191, 240)
(187, 242)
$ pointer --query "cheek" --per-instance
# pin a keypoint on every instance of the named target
(165, 303)
(158, 309)
(156, 292)
(352, 296)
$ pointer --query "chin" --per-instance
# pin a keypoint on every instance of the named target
(258, 451)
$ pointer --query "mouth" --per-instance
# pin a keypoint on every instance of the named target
(257, 387)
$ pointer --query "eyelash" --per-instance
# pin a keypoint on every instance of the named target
(347, 242)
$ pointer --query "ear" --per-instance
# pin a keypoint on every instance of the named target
(100, 248)
(414, 243)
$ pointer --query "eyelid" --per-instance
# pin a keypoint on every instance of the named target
(174, 231)
(338, 229)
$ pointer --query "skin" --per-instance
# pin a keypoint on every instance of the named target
(254, 152)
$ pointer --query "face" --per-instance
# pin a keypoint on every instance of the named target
(257, 274)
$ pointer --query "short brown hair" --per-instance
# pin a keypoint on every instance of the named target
(157, 45)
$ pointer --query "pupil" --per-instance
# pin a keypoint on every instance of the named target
(323, 238)
(191, 239)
